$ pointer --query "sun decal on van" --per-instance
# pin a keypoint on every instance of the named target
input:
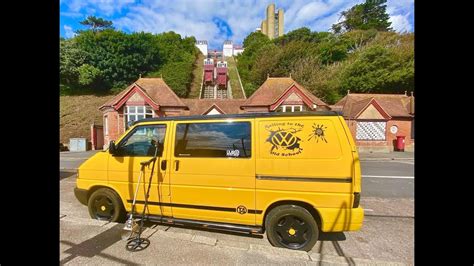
(318, 133)
(283, 138)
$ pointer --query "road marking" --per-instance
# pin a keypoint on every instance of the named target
(406, 162)
(368, 210)
(389, 176)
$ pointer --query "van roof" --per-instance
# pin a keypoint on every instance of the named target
(247, 115)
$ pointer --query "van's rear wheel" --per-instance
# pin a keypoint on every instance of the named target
(104, 204)
(291, 226)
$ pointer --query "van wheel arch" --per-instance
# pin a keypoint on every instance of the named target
(113, 196)
(94, 188)
(314, 212)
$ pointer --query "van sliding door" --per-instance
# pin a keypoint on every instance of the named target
(213, 171)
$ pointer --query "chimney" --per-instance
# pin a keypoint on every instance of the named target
(290, 75)
(268, 75)
(405, 93)
(412, 103)
(348, 91)
(140, 75)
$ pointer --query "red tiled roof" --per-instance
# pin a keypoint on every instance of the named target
(200, 106)
(273, 88)
(395, 105)
(154, 88)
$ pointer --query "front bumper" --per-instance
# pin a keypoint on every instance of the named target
(81, 195)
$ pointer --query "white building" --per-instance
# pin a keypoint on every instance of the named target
(228, 49)
(202, 46)
(238, 49)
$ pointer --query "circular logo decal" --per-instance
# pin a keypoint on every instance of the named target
(241, 209)
(284, 139)
(393, 129)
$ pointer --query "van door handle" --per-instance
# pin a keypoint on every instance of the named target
(176, 165)
(163, 165)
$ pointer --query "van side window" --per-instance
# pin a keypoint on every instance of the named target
(216, 140)
(142, 141)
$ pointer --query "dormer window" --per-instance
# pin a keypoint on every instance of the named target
(291, 108)
(135, 113)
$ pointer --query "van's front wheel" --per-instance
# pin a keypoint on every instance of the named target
(291, 226)
(104, 204)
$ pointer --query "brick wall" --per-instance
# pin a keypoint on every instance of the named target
(113, 122)
(404, 129)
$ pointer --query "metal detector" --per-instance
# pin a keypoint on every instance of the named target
(135, 242)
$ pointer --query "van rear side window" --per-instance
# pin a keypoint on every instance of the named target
(215, 140)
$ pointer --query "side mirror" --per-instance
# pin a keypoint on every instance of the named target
(112, 148)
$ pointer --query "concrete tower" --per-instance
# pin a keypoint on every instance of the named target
(271, 21)
(281, 29)
(264, 27)
(273, 24)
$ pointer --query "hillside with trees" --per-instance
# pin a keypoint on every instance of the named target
(102, 60)
(362, 54)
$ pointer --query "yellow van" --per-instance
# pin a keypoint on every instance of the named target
(290, 175)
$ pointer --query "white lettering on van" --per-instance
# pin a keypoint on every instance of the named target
(233, 153)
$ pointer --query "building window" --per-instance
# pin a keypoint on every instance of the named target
(135, 113)
(214, 140)
(371, 130)
(106, 125)
(291, 108)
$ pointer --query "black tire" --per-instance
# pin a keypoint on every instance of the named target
(292, 227)
(104, 204)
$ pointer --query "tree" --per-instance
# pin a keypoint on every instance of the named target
(111, 59)
(369, 15)
(329, 64)
(97, 23)
(70, 59)
(89, 75)
(379, 69)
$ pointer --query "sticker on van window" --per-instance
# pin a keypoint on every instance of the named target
(283, 138)
(233, 153)
(318, 133)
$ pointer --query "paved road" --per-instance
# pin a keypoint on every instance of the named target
(387, 178)
(393, 179)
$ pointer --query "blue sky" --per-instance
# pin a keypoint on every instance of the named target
(217, 20)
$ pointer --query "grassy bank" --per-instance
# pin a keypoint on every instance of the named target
(77, 113)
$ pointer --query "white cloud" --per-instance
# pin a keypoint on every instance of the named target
(400, 6)
(68, 31)
(195, 17)
(318, 15)
(400, 12)
(400, 23)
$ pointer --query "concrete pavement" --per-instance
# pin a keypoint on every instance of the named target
(387, 236)
(101, 244)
